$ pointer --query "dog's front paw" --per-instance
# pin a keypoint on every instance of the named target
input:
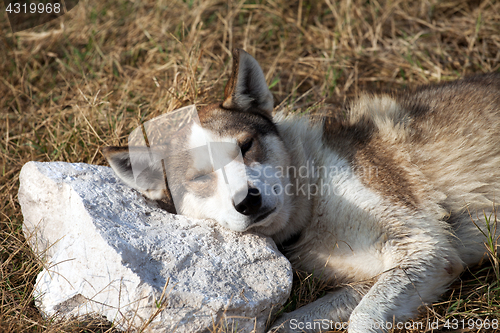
(282, 325)
(277, 329)
(295, 322)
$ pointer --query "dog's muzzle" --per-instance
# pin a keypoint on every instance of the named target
(251, 204)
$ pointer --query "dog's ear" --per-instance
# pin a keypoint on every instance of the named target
(247, 87)
(149, 178)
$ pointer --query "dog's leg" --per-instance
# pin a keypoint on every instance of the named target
(424, 262)
(329, 312)
(394, 297)
(419, 279)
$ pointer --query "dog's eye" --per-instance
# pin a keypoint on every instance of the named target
(245, 147)
(201, 178)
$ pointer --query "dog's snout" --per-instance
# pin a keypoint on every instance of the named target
(251, 204)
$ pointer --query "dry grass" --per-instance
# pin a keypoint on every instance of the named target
(87, 79)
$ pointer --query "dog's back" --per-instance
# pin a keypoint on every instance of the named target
(447, 133)
(454, 141)
(445, 146)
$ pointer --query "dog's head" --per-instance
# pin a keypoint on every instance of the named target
(229, 166)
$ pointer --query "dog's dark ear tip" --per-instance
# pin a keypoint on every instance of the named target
(106, 151)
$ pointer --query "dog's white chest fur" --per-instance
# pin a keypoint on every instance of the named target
(335, 251)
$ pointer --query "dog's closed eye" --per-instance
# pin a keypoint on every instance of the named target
(195, 175)
(246, 146)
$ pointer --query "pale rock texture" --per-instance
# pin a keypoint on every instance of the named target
(109, 251)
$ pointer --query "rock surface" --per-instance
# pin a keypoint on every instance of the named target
(109, 251)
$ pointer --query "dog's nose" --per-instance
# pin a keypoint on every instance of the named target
(251, 204)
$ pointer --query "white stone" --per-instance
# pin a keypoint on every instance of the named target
(109, 251)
